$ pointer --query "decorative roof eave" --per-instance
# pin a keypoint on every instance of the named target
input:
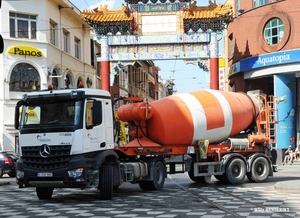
(102, 14)
(211, 11)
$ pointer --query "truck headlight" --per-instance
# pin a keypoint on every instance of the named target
(75, 173)
(20, 174)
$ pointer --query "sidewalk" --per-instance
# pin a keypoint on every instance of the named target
(289, 184)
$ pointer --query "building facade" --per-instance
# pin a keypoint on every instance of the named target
(264, 54)
(45, 42)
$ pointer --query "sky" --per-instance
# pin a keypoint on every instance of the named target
(187, 77)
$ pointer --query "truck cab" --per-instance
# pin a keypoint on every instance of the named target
(61, 132)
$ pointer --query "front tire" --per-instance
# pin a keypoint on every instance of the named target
(235, 171)
(44, 193)
(106, 182)
(259, 170)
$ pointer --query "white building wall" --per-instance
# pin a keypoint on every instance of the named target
(67, 17)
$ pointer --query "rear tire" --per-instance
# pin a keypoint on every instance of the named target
(259, 170)
(1, 172)
(106, 182)
(235, 171)
(221, 178)
(159, 175)
(44, 193)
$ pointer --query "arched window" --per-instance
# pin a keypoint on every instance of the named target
(54, 78)
(24, 78)
(68, 81)
(78, 81)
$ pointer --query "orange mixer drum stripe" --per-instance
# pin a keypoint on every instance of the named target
(218, 115)
(212, 109)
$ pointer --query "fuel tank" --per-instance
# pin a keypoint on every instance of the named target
(189, 117)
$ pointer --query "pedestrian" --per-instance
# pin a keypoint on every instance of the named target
(297, 152)
(289, 156)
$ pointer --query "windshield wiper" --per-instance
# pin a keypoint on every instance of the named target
(53, 121)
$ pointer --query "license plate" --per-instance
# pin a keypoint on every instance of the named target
(45, 174)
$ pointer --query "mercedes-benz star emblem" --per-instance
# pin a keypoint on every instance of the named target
(45, 151)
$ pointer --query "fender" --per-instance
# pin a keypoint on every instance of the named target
(252, 157)
(150, 162)
(226, 158)
(112, 158)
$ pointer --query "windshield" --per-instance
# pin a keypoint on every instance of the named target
(54, 113)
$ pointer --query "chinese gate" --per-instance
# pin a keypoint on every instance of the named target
(159, 30)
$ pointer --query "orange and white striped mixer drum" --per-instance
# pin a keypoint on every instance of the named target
(184, 119)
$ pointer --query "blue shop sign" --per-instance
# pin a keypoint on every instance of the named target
(267, 60)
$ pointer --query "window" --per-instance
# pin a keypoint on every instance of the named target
(68, 81)
(238, 5)
(77, 47)
(58, 113)
(66, 40)
(273, 31)
(22, 25)
(54, 75)
(53, 34)
(257, 3)
(24, 78)
(92, 119)
(79, 81)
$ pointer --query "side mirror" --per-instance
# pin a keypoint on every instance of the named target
(1, 44)
(17, 117)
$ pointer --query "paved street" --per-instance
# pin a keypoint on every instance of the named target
(180, 198)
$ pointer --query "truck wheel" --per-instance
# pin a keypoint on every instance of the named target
(221, 178)
(44, 193)
(159, 175)
(259, 170)
(235, 171)
(106, 182)
(1, 172)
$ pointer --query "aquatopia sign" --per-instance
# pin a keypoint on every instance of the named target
(25, 51)
(267, 60)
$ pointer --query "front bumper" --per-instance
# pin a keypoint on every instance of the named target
(52, 178)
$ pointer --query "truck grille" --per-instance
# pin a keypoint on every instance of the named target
(58, 157)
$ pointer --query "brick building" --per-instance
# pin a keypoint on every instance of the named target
(264, 54)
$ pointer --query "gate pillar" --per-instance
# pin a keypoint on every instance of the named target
(214, 61)
(105, 64)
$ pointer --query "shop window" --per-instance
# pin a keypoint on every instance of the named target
(257, 3)
(24, 78)
(53, 32)
(22, 25)
(273, 31)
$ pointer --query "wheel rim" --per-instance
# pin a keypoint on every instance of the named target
(159, 175)
(236, 171)
(260, 169)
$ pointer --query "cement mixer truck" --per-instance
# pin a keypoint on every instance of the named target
(68, 139)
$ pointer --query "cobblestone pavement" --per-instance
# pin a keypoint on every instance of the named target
(180, 198)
